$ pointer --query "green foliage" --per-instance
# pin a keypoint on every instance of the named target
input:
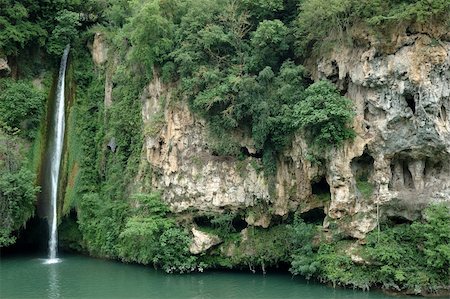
(325, 20)
(324, 115)
(149, 236)
(173, 252)
(21, 106)
(421, 248)
(264, 247)
(17, 28)
(435, 231)
(303, 260)
(101, 222)
(151, 34)
(413, 258)
(65, 31)
(17, 189)
(365, 187)
(47, 24)
(263, 9)
(270, 43)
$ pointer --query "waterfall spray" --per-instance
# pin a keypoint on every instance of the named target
(55, 154)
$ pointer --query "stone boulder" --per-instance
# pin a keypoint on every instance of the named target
(202, 241)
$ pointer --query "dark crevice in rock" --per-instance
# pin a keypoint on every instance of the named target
(321, 188)
(246, 152)
(443, 114)
(239, 224)
(203, 221)
(334, 76)
(407, 176)
(344, 86)
(313, 216)
(411, 102)
(396, 220)
(362, 166)
(32, 237)
(401, 175)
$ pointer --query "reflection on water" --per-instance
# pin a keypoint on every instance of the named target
(81, 277)
(53, 282)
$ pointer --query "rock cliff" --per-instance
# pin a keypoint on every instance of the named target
(398, 163)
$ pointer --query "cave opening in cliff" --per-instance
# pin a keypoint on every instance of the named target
(203, 221)
(334, 76)
(401, 175)
(362, 166)
(70, 237)
(397, 220)
(31, 238)
(226, 221)
(344, 86)
(314, 216)
(411, 102)
(407, 177)
(238, 223)
(321, 189)
(246, 153)
(362, 170)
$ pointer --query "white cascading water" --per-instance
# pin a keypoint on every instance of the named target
(55, 154)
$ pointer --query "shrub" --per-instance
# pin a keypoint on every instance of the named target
(17, 188)
(21, 106)
(324, 115)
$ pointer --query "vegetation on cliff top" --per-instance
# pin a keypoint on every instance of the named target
(238, 63)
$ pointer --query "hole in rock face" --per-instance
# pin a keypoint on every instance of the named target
(334, 76)
(401, 176)
(32, 238)
(321, 189)
(246, 153)
(395, 220)
(345, 83)
(362, 170)
(69, 234)
(239, 224)
(407, 176)
(411, 102)
(225, 221)
(314, 216)
(362, 166)
(203, 221)
(443, 113)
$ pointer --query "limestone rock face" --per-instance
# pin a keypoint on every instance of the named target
(188, 174)
(403, 144)
(5, 70)
(397, 164)
(99, 49)
(202, 241)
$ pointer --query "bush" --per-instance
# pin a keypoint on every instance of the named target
(303, 259)
(21, 106)
(412, 258)
(324, 115)
(17, 188)
(150, 236)
(322, 21)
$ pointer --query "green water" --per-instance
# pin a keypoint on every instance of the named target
(83, 277)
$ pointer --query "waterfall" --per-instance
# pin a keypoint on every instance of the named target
(55, 152)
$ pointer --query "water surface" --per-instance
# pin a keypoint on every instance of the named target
(84, 277)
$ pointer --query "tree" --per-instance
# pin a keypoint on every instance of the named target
(21, 106)
(324, 115)
(16, 28)
(17, 188)
(65, 32)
